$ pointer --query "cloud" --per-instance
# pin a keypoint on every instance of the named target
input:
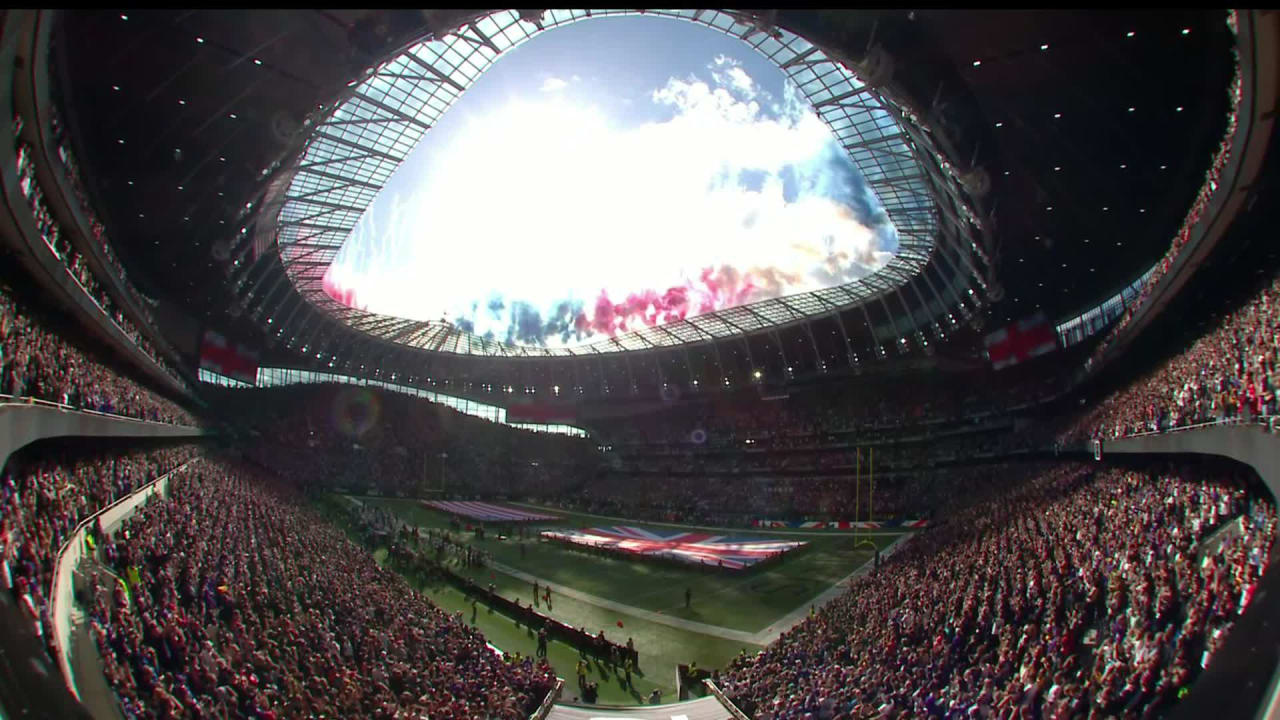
(553, 84)
(550, 223)
(742, 81)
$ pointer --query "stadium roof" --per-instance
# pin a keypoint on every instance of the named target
(185, 117)
(360, 144)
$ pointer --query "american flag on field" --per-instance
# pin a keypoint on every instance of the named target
(487, 511)
(735, 553)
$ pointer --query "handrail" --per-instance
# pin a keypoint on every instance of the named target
(725, 701)
(28, 400)
(60, 592)
(1267, 421)
(45, 266)
(117, 286)
(549, 701)
(1254, 118)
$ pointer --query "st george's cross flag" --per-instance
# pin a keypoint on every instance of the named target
(1021, 341)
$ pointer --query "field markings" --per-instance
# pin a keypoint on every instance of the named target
(719, 530)
(797, 616)
(761, 638)
(650, 615)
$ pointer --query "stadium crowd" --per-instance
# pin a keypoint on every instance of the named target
(371, 439)
(60, 245)
(241, 602)
(1071, 595)
(740, 500)
(860, 411)
(1230, 372)
(38, 363)
(429, 553)
(44, 495)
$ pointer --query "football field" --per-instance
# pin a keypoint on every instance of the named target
(730, 611)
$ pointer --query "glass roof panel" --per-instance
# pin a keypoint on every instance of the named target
(424, 87)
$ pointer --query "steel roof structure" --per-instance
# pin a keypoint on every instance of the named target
(1078, 139)
(354, 151)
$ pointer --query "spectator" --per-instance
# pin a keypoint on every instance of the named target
(1071, 596)
(247, 604)
(35, 362)
(60, 245)
(1229, 373)
(46, 493)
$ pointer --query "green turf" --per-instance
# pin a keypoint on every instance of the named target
(592, 520)
(745, 600)
(504, 634)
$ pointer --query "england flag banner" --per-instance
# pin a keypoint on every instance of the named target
(221, 356)
(1021, 341)
(734, 553)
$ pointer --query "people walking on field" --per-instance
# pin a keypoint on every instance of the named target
(535, 593)
(542, 642)
(688, 597)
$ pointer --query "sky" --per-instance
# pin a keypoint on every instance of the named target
(610, 175)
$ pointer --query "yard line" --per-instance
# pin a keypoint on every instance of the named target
(766, 531)
(763, 637)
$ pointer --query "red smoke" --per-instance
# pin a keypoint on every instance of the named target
(346, 296)
(714, 290)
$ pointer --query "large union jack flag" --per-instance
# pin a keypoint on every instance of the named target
(735, 553)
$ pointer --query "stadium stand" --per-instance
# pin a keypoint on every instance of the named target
(1228, 374)
(738, 500)
(242, 602)
(371, 439)
(60, 244)
(1032, 573)
(38, 362)
(46, 490)
(859, 409)
(1081, 591)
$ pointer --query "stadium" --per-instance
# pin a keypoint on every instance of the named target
(639, 364)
